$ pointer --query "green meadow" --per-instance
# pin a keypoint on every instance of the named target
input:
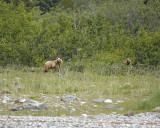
(138, 89)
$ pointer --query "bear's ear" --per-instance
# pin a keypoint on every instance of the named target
(60, 61)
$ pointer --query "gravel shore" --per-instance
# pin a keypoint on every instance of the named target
(142, 120)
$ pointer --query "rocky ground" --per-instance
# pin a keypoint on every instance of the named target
(142, 120)
(9, 105)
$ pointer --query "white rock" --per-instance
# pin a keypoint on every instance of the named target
(4, 101)
(108, 101)
(56, 105)
(6, 98)
(83, 103)
(84, 115)
(23, 100)
(73, 109)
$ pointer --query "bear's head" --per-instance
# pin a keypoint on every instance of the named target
(128, 61)
(59, 61)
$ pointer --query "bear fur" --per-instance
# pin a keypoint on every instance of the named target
(53, 64)
(128, 61)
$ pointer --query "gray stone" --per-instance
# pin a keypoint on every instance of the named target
(69, 98)
(157, 108)
(4, 101)
(142, 120)
(6, 98)
(31, 105)
(129, 113)
(109, 106)
(16, 108)
(98, 100)
(16, 101)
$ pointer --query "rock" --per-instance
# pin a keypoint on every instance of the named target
(16, 101)
(95, 105)
(98, 100)
(31, 105)
(109, 106)
(5, 92)
(15, 109)
(69, 98)
(157, 108)
(23, 100)
(4, 101)
(85, 115)
(6, 98)
(129, 113)
(72, 110)
(108, 101)
(83, 103)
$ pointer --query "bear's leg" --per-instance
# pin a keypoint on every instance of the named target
(46, 69)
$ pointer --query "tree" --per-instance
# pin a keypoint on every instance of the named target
(46, 5)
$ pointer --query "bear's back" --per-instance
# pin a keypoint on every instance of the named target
(49, 63)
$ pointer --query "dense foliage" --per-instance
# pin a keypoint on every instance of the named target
(87, 31)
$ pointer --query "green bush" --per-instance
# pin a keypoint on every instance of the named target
(107, 31)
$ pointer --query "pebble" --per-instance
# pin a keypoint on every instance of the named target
(142, 120)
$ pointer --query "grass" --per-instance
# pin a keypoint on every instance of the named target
(139, 91)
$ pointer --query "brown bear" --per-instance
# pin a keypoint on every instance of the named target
(128, 61)
(53, 64)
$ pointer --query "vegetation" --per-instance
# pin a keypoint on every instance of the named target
(103, 31)
(93, 38)
(139, 92)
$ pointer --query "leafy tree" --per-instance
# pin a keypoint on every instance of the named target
(28, 3)
(17, 30)
(100, 31)
(46, 5)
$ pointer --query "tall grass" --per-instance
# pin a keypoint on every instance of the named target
(138, 88)
(150, 103)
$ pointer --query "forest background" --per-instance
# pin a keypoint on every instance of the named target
(86, 32)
